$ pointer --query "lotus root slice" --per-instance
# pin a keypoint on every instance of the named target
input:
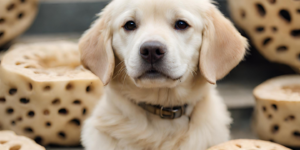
(273, 26)
(10, 141)
(45, 93)
(244, 144)
(15, 17)
(276, 116)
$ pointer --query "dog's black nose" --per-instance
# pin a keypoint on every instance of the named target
(152, 51)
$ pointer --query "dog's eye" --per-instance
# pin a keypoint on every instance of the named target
(181, 25)
(130, 25)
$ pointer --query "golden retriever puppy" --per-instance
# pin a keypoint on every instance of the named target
(159, 60)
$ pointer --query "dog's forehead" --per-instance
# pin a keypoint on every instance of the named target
(152, 7)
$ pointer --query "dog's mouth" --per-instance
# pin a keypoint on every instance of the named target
(153, 73)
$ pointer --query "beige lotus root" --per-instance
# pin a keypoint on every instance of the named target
(15, 17)
(46, 93)
(248, 145)
(10, 141)
(277, 110)
(273, 26)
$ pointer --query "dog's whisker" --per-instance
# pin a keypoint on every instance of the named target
(124, 79)
(120, 63)
(191, 71)
(120, 72)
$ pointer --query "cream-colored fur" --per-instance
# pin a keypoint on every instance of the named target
(195, 58)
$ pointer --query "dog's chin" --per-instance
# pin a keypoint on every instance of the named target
(154, 79)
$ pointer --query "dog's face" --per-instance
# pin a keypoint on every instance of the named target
(158, 41)
(162, 42)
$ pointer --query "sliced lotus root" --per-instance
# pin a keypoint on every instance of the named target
(15, 17)
(248, 145)
(277, 110)
(46, 93)
(273, 26)
(244, 144)
(10, 141)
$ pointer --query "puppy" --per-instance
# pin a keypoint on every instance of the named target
(159, 60)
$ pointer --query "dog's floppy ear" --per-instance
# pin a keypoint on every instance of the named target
(222, 48)
(96, 48)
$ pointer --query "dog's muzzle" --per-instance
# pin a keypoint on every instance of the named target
(165, 112)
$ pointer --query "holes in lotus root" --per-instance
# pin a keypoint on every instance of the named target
(13, 123)
(243, 13)
(21, 15)
(12, 91)
(3, 142)
(63, 111)
(30, 114)
(10, 7)
(1, 34)
(238, 145)
(20, 119)
(47, 88)
(75, 122)
(62, 135)
(274, 106)
(267, 41)
(272, 1)
(274, 29)
(48, 124)
(15, 147)
(296, 33)
(28, 130)
(30, 86)
(46, 112)
(56, 102)
(23, 1)
(260, 29)
(84, 111)
(270, 116)
(40, 72)
(290, 118)
(77, 102)
(2, 100)
(264, 108)
(285, 15)
(19, 63)
(260, 9)
(9, 111)
(69, 86)
(298, 10)
(24, 100)
(89, 89)
(2, 20)
(29, 67)
(297, 134)
(281, 49)
(275, 129)
(38, 139)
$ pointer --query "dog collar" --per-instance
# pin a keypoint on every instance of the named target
(165, 112)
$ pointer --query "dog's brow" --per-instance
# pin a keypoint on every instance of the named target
(124, 17)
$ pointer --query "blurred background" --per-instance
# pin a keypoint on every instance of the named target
(68, 19)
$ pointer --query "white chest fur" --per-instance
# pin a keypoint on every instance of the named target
(119, 124)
